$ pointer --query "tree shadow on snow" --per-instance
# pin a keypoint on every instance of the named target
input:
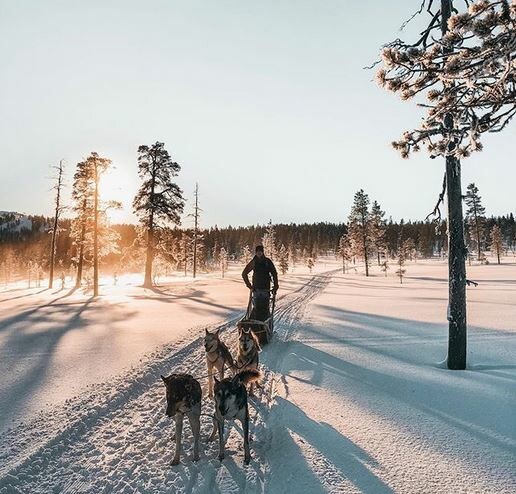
(398, 373)
(29, 343)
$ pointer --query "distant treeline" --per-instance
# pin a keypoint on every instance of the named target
(30, 247)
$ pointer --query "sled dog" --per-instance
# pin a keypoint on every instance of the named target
(248, 349)
(184, 398)
(231, 403)
(218, 356)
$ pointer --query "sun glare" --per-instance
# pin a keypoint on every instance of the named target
(118, 185)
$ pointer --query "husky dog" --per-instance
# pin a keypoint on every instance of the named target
(217, 356)
(231, 403)
(184, 398)
(248, 348)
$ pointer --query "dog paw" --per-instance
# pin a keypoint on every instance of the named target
(221, 456)
(175, 461)
(247, 460)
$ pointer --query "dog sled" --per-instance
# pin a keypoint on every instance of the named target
(259, 317)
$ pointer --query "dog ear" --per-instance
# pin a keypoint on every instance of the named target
(164, 379)
(207, 332)
(217, 332)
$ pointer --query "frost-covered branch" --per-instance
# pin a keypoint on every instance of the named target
(468, 75)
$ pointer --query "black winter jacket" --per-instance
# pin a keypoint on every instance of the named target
(263, 270)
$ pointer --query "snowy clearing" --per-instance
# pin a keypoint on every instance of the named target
(354, 396)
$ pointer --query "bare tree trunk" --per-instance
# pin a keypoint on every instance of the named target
(80, 260)
(457, 341)
(366, 260)
(147, 282)
(56, 219)
(196, 229)
(96, 235)
(457, 327)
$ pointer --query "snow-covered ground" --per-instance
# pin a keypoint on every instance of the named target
(355, 398)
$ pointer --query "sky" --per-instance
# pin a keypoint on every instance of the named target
(264, 103)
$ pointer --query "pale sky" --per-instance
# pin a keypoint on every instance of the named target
(264, 103)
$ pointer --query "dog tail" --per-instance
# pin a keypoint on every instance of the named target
(248, 376)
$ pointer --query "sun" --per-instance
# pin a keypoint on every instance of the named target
(118, 184)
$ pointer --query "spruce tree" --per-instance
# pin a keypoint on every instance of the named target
(269, 241)
(359, 228)
(246, 255)
(496, 241)
(223, 261)
(378, 229)
(159, 200)
(475, 216)
(283, 259)
(82, 196)
(310, 263)
(95, 167)
(344, 251)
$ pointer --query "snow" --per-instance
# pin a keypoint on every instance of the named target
(354, 397)
(20, 221)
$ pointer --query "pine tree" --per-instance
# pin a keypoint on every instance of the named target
(82, 196)
(310, 263)
(344, 251)
(159, 200)
(97, 166)
(359, 228)
(223, 261)
(475, 216)
(283, 259)
(293, 255)
(186, 251)
(91, 220)
(246, 255)
(384, 266)
(401, 263)
(269, 241)
(496, 241)
(378, 229)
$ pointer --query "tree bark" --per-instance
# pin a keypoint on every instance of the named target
(457, 330)
(56, 219)
(80, 261)
(147, 282)
(95, 235)
(196, 230)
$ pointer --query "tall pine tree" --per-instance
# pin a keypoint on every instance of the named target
(360, 229)
(159, 200)
(475, 216)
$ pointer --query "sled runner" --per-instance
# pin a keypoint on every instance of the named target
(259, 317)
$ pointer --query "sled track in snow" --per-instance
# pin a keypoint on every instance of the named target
(115, 437)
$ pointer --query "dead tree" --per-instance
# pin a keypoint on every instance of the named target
(57, 211)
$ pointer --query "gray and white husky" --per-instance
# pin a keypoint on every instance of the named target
(230, 404)
(248, 350)
(218, 357)
(184, 398)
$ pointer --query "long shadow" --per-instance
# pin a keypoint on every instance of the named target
(440, 396)
(23, 296)
(352, 461)
(197, 296)
(30, 346)
(20, 316)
